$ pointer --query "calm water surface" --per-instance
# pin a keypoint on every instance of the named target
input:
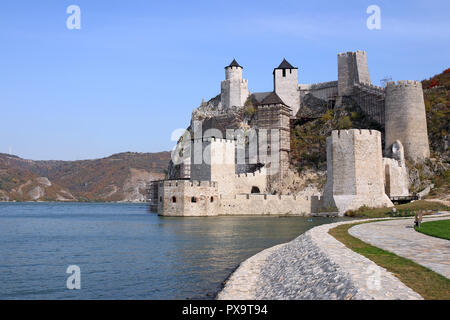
(125, 252)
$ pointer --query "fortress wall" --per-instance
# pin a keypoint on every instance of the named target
(324, 90)
(244, 182)
(261, 204)
(405, 119)
(217, 162)
(208, 201)
(287, 88)
(371, 100)
(355, 175)
(192, 198)
(395, 178)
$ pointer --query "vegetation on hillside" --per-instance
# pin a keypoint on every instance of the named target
(308, 136)
(105, 179)
(437, 105)
(308, 140)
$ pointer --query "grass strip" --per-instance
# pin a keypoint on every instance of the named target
(401, 210)
(438, 229)
(429, 284)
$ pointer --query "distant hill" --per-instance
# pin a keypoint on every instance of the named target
(120, 177)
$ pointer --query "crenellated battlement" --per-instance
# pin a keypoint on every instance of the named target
(318, 86)
(259, 172)
(352, 53)
(404, 83)
(214, 139)
(369, 86)
(187, 183)
(357, 133)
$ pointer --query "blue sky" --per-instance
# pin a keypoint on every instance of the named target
(136, 69)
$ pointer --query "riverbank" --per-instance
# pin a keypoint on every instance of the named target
(314, 266)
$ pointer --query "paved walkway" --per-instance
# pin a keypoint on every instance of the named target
(313, 266)
(399, 237)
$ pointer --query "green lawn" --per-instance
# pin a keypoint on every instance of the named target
(429, 284)
(439, 229)
(402, 210)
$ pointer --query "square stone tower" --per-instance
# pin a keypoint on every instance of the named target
(285, 85)
(213, 159)
(274, 114)
(355, 172)
(352, 68)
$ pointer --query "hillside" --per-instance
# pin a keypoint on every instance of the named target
(120, 177)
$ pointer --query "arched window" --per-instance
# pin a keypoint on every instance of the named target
(174, 199)
(212, 199)
(255, 190)
(193, 199)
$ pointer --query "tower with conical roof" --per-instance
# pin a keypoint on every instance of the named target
(234, 89)
(285, 84)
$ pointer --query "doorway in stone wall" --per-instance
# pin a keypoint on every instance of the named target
(255, 190)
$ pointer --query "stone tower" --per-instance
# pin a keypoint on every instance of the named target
(355, 172)
(274, 114)
(285, 85)
(405, 119)
(234, 89)
(213, 159)
(352, 68)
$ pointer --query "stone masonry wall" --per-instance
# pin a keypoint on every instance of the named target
(214, 160)
(177, 199)
(234, 89)
(355, 174)
(244, 182)
(324, 90)
(262, 204)
(352, 68)
(188, 198)
(287, 88)
(406, 119)
(395, 178)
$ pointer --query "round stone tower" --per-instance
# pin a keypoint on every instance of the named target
(405, 119)
(234, 89)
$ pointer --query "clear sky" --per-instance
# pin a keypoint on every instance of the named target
(135, 70)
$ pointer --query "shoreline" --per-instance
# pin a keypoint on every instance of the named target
(91, 202)
(314, 266)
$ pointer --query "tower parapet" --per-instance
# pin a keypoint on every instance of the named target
(405, 119)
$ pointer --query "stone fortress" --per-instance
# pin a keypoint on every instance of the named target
(216, 171)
